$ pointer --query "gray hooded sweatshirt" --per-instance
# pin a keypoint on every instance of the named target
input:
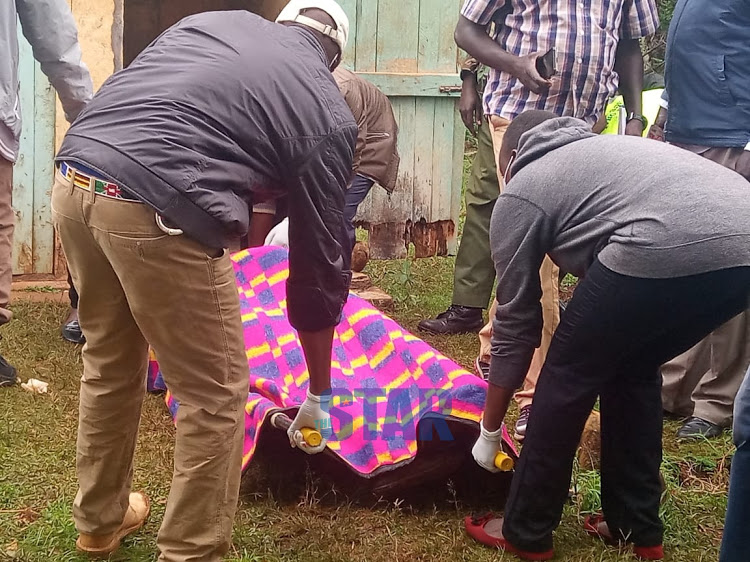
(642, 208)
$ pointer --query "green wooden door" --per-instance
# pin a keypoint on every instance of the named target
(406, 48)
(33, 248)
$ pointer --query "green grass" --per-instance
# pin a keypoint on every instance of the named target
(37, 474)
(309, 521)
(306, 521)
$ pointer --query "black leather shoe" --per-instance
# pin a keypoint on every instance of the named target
(455, 320)
(7, 373)
(71, 330)
(697, 428)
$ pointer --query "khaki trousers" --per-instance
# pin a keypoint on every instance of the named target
(549, 276)
(704, 380)
(474, 272)
(7, 225)
(139, 286)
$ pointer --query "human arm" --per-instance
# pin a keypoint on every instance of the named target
(359, 146)
(470, 105)
(319, 265)
(520, 236)
(629, 65)
(49, 27)
(640, 18)
(472, 37)
(350, 87)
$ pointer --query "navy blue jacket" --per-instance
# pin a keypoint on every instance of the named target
(708, 73)
(221, 106)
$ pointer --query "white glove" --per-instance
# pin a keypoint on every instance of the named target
(312, 414)
(279, 235)
(487, 447)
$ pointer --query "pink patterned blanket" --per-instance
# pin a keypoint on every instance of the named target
(390, 389)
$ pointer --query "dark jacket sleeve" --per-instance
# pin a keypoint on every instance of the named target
(520, 237)
(353, 99)
(319, 252)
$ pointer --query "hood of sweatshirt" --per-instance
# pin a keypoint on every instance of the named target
(548, 136)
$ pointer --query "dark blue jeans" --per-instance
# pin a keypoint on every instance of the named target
(354, 196)
(735, 547)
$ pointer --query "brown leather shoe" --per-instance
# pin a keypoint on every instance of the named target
(102, 546)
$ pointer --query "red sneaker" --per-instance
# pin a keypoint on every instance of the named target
(475, 527)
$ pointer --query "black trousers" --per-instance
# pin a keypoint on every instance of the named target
(72, 293)
(615, 334)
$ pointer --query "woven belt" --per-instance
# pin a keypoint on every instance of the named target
(101, 187)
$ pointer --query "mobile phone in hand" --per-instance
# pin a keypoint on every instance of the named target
(545, 65)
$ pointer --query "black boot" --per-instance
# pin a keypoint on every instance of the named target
(71, 330)
(7, 373)
(455, 320)
(698, 429)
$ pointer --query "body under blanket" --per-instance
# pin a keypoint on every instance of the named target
(390, 389)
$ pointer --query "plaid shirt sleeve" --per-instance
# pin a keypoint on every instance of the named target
(640, 18)
(481, 11)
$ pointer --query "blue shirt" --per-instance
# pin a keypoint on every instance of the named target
(708, 73)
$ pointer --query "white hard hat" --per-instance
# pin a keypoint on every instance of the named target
(340, 35)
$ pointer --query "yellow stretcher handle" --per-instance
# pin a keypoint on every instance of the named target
(311, 436)
(503, 462)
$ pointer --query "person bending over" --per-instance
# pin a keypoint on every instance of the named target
(661, 240)
(151, 187)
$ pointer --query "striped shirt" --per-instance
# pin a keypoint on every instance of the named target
(584, 34)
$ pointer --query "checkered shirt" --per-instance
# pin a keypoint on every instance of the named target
(584, 33)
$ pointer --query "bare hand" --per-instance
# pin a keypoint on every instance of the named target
(656, 133)
(634, 128)
(525, 70)
(470, 107)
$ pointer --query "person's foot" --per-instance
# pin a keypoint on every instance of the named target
(7, 373)
(488, 530)
(596, 526)
(71, 330)
(482, 368)
(697, 428)
(522, 423)
(455, 320)
(102, 546)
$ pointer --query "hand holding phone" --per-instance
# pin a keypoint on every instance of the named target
(545, 65)
(530, 69)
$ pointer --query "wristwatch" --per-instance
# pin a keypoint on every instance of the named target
(465, 73)
(637, 116)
